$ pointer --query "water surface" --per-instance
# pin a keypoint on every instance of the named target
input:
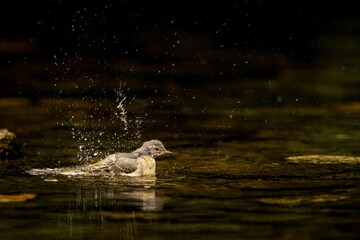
(228, 178)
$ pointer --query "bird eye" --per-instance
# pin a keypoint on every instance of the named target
(157, 149)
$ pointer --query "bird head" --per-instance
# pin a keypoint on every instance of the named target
(154, 148)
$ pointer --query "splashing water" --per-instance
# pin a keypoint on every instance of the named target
(123, 114)
(104, 126)
(104, 119)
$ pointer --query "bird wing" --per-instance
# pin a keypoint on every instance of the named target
(106, 162)
(124, 165)
(117, 163)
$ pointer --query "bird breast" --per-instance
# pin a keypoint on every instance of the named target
(148, 166)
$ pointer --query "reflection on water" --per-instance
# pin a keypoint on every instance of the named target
(82, 208)
(118, 208)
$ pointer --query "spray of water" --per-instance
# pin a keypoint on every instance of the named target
(105, 125)
(101, 120)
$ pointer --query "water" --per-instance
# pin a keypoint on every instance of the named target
(228, 178)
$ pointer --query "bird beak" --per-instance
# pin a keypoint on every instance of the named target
(166, 151)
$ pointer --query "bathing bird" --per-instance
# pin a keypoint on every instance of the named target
(138, 163)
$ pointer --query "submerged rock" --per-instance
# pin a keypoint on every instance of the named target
(22, 197)
(323, 159)
(302, 200)
(8, 147)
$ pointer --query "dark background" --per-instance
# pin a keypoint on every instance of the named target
(290, 27)
(168, 40)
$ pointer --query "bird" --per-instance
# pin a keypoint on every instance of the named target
(139, 163)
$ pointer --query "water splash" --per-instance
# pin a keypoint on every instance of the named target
(100, 126)
(121, 106)
(102, 119)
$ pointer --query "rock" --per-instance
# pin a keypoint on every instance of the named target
(302, 200)
(8, 147)
(22, 197)
(323, 159)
